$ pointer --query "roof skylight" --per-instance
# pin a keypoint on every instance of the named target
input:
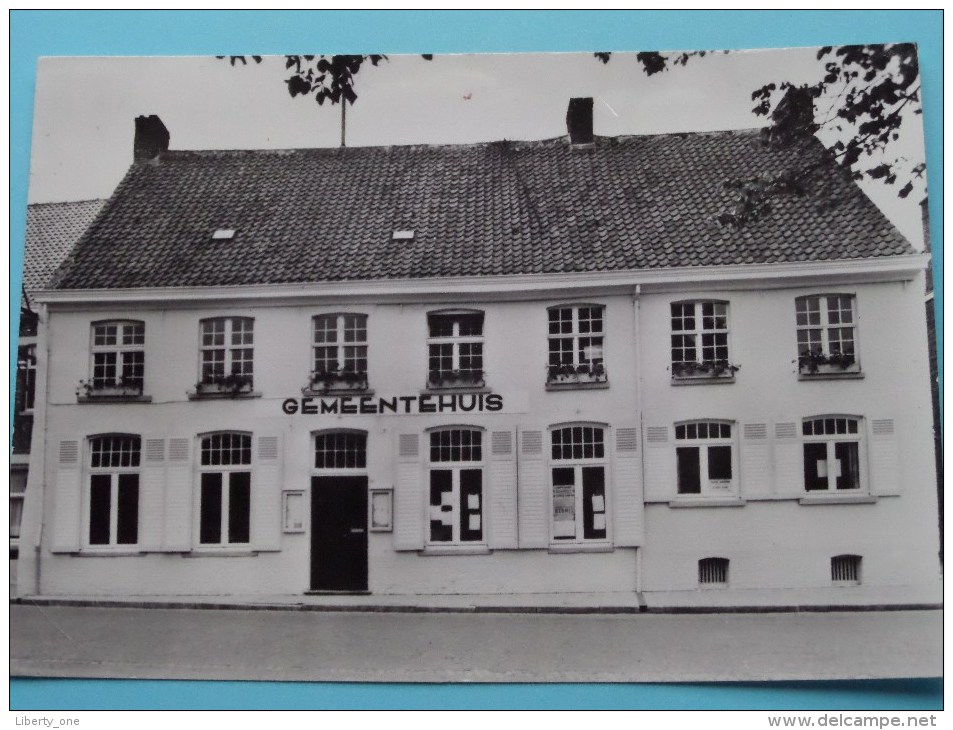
(223, 234)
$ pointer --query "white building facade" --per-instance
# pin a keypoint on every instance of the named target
(727, 433)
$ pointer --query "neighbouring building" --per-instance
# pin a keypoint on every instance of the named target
(515, 367)
(52, 229)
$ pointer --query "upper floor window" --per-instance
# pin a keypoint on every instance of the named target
(579, 483)
(456, 486)
(826, 336)
(118, 359)
(703, 454)
(340, 352)
(700, 340)
(225, 489)
(26, 378)
(576, 342)
(455, 349)
(113, 496)
(226, 355)
(831, 453)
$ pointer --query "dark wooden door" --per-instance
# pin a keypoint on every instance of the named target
(339, 533)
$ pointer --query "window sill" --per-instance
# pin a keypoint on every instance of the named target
(690, 502)
(577, 547)
(465, 389)
(104, 552)
(807, 377)
(223, 552)
(114, 399)
(439, 550)
(595, 385)
(839, 499)
(703, 380)
(223, 396)
(334, 392)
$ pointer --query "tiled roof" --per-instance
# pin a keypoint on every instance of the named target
(499, 208)
(52, 229)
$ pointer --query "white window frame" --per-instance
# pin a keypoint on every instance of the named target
(831, 440)
(593, 361)
(122, 351)
(341, 344)
(114, 472)
(455, 467)
(469, 377)
(707, 486)
(577, 463)
(226, 470)
(825, 325)
(701, 366)
(229, 361)
(338, 470)
(26, 364)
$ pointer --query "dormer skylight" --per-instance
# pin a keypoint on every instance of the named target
(403, 236)
(223, 234)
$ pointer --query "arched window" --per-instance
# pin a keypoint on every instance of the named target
(225, 489)
(831, 453)
(114, 489)
(340, 450)
(704, 457)
(579, 508)
(456, 486)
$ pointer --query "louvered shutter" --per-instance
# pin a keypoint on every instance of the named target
(627, 504)
(659, 457)
(884, 458)
(177, 528)
(409, 494)
(755, 461)
(533, 482)
(67, 508)
(266, 493)
(502, 521)
(788, 460)
(152, 494)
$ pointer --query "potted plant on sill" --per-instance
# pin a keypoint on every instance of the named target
(123, 386)
(815, 362)
(712, 369)
(324, 381)
(456, 379)
(231, 385)
(583, 373)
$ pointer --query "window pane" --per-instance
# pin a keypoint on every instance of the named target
(471, 504)
(564, 503)
(689, 470)
(239, 506)
(847, 455)
(441, 325)
(815, 466)
(99, 508)
(210, 518)
(719, 462)
(441, 505)
(593, 503)
(471, 325)
(127, 511)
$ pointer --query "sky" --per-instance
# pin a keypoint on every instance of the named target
(85, 107)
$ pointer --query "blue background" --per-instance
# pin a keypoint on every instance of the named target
(116, 33)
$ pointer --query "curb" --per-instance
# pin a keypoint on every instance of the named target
(379, 608)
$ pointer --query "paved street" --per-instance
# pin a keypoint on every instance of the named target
(427, 647)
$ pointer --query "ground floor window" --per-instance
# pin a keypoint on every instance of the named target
(831, 454)
(456, 486)
(703, 458)
(225, 489)
(578, 483)
(114, 490)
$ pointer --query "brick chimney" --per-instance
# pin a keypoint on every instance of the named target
(152, 138)
(579, 121)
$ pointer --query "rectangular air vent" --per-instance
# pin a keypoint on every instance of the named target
(756, 431)
(501, 443)
(532, 442)
(785, 430)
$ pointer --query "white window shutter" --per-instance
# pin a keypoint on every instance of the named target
(177, 527)
(409, 494)
(266, 493)
(755, 461)
(627, 504)
(788, 460)
(533, 483)
(67, 510)
(152, 494)
(659, 457)
(884, 459)
(502, 528)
